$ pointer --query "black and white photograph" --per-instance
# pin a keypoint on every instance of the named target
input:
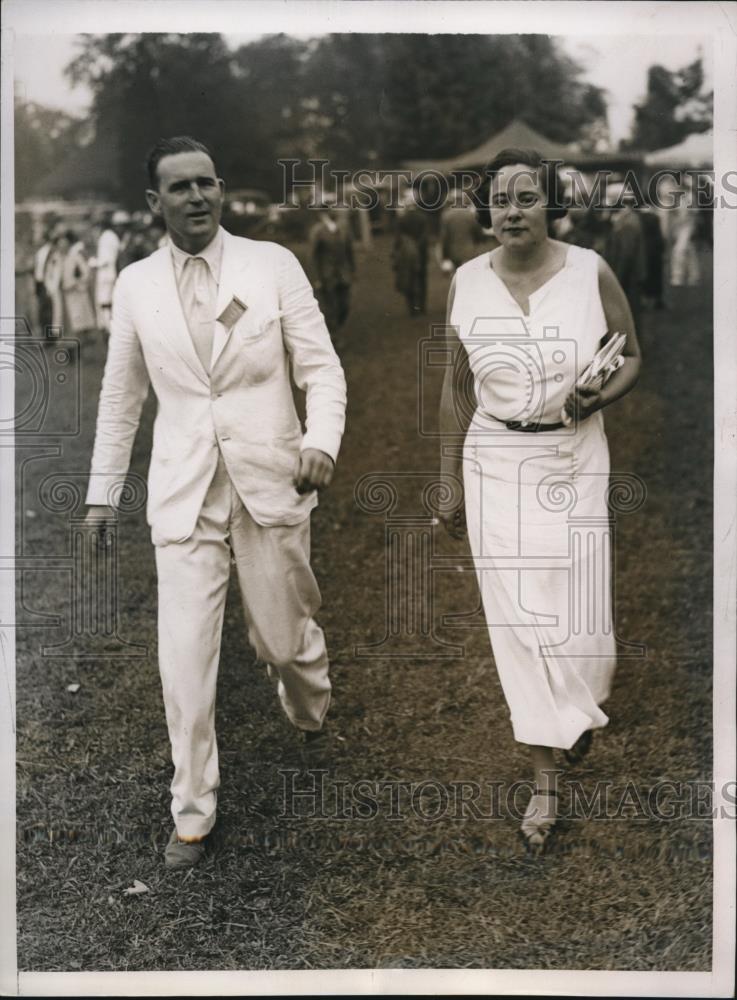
(368, 498)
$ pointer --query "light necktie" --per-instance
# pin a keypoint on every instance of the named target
(199, 307)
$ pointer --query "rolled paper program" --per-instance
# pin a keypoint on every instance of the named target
(605, 362)
(232, 313)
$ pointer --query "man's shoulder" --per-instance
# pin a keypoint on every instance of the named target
(259, 249)
(142, 269)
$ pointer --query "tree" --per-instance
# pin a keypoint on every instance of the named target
(148, 85)
(355, 100)
(386, 98)
(44, 137)
(269, 82)
(675, 106)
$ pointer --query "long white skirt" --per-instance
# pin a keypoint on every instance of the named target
(540, 535)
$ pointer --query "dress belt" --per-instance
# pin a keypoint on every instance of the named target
(530, 428)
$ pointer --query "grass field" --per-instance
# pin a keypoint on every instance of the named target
(287, 891)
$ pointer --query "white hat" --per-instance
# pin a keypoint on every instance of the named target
(120, 218)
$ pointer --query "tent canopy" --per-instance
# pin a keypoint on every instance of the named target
(516, 134)
(696, 150)
(520, 135)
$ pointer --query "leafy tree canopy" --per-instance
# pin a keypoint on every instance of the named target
(675, 106)
(356, 100)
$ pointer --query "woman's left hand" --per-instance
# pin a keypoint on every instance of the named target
(583, 401)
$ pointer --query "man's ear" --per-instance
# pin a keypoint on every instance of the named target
(221, 185)
(154, 201)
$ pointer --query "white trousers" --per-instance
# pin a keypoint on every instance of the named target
(280, 596)
(684, 262)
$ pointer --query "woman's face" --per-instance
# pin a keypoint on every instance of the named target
(518, 207)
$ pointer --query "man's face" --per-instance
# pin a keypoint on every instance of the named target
(189, 199)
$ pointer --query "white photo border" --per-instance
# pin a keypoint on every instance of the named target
(717, 20)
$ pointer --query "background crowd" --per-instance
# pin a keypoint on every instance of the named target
(650, 248)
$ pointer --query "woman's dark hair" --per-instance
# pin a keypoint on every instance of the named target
(546, 170)
(170, 147)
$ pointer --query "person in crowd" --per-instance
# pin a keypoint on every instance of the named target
(514, 474)
(409, 258)
(588, 229)
(217, 325)
(331, 249)
(625, 245)
(53, 273)
(682, 225)
(68, 281)
(76, 285)
(136, 246)
(461, 236)
(40, 261)
(654, 251)
(109, 246)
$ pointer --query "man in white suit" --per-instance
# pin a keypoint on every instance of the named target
(215, 323)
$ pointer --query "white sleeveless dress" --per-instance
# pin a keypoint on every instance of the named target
(536, 503)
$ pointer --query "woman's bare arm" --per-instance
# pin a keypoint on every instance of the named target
(585, 401)
(453, 420)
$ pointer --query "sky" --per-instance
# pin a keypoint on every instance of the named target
(618, 64)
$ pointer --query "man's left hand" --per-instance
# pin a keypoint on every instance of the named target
(315, 470)
(583, 401)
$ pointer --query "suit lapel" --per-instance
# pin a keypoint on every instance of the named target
(171, 321)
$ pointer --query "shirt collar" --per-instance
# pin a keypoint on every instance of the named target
(212, 253)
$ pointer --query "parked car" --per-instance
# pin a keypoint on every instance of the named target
(247, 212)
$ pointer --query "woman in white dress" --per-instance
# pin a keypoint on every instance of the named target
(523, 323)
(77, 287)
(68, 285)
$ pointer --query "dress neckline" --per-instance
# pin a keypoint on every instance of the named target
(540, 288)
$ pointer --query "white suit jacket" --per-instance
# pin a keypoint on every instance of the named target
(244, 409)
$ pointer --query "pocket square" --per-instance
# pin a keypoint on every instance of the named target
(232, 313)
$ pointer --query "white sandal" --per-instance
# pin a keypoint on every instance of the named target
(535, 831)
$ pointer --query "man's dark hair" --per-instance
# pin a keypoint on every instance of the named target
(546, 170)
(170, 147)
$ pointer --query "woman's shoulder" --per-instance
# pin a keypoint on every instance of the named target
(583, 259)
(474, 265)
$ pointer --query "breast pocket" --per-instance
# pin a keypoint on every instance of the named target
(254, 328)
(261, 350)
